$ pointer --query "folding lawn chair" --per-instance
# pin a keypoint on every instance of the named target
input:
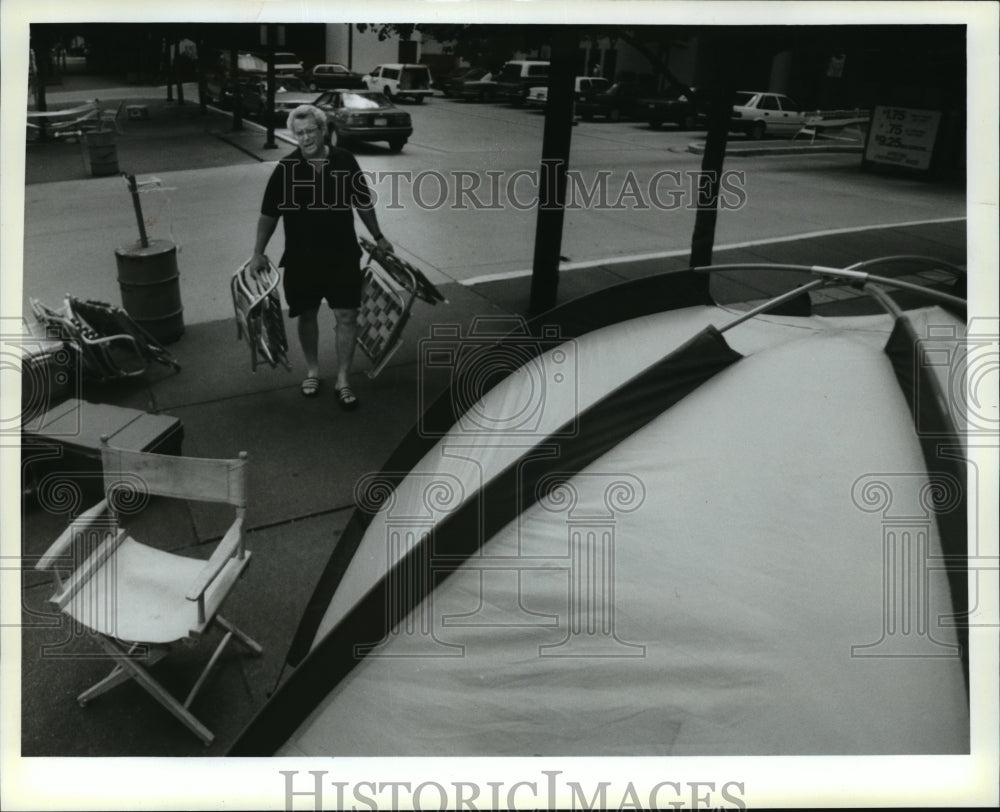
(257, 304)
(73, 121)
(137, 601)
(109, 343)
(390, 289)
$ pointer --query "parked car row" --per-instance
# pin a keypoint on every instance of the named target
(755, 114)
(594, 96)
(359, 107)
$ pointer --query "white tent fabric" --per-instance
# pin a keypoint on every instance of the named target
(725, 581)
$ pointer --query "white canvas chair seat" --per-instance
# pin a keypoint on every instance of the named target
(136, 600)
(150, 603)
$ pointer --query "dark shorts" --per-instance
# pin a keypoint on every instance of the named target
(306, 288)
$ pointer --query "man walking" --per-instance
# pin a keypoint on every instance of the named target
(315, 189)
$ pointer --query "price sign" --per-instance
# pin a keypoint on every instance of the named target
(902, 136)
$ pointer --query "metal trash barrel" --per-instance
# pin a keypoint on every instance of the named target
(103, 153)
(150, 287)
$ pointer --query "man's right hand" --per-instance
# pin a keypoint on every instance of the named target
(258, 263)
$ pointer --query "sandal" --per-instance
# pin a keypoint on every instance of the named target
(310, 386)
(346, 398)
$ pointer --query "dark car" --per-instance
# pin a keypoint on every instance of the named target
(478, 85)
(464, 82)
(331, 76)
(221, 79)
(445, 83)
(676, 106)
(364, 115)
(617, 102)
(289, 93)
(517, 77)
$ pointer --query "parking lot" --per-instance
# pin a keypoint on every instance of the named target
(458, 201)
(631, 189)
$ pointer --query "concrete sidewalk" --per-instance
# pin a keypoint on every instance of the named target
(306, 456)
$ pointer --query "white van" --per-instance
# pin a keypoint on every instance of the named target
(398, 80)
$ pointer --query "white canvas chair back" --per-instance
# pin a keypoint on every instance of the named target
(199, 479)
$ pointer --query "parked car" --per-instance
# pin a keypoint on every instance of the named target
(287, 63)
(757, 114)
(221, 79)
(583, 88)
(537, 96)
(446, 83)
(517, 77)
(401, 81)
(331, 76)
(675, 106)
(617, 102)
(364, 115)
(289, 93)
(478, 86)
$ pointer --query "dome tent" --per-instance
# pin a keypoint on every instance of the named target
(629, 530)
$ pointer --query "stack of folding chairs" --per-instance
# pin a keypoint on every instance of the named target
(258, 315)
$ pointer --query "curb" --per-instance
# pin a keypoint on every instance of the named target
(698, 148)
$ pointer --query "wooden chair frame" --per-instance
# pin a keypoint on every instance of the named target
(96, 593)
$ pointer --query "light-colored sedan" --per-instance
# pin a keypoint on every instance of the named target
(758, 114)
(364, 115)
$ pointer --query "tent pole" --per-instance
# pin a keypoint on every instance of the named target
(882, 297)
(948, 266)
(772, 303)
(845, 274)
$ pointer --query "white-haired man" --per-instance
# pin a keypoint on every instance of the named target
(315, 190)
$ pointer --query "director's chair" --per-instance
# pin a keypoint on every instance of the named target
(137, 601)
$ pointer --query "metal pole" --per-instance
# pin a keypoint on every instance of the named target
(234, 83)
(269, 101)
(133, 189)
(556, 139)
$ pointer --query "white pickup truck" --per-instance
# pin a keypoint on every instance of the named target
(398, 80)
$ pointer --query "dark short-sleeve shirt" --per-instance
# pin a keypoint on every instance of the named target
(317, 207)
